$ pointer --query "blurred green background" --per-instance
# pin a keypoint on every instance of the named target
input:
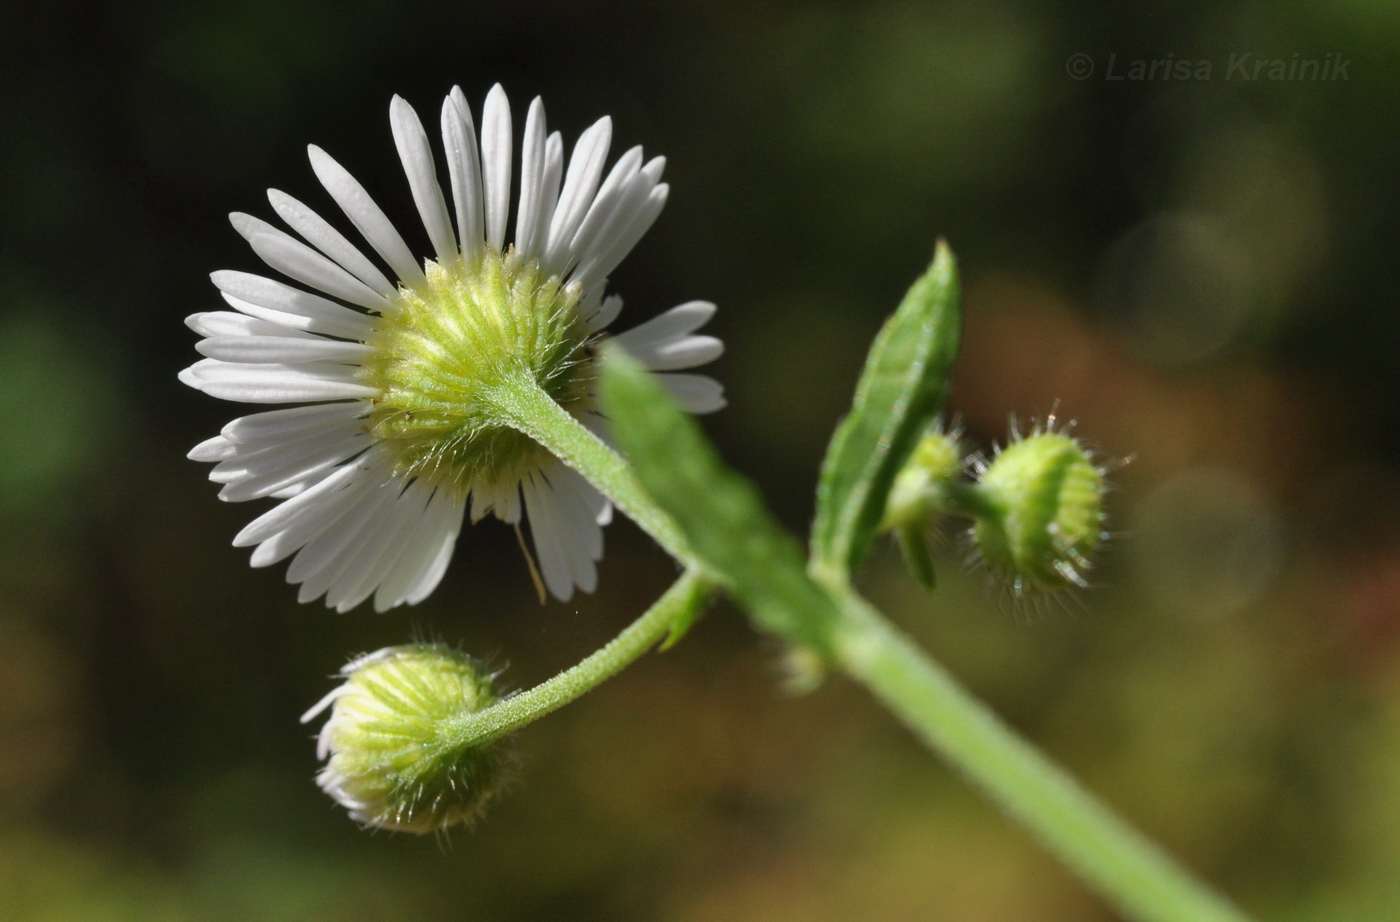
(1201, 272)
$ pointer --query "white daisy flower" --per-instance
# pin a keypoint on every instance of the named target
(395, 438)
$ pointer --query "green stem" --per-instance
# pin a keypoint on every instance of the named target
(1114, 859)
(679, 603)
(973, 501)
(528, 408)
(913, 502)
(1133, 873)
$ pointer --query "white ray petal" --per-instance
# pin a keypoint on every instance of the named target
(229, 323)
(437, 566)
(282, 349)
(578, 529)
(464, 170)
(299, 487)
(495, 164)
(628, 239)
(284, 544)
(264, 459)
(194, 375)
(254, 457)
(598, 505)
(580, 184)
(632, 202)
(375, 485)
(553, 176)
(501, 500)
(668, 326)
(265, 476)
(216, 449)
(280, 383)
(606, 313)
(298, 261)
(367, 217)
(251, 227)
(480, 504)
(629, 201)
(419, 551)
(654, 169)
(412, 143)
(510, 507)
(327, 556)
(276, 474)
(686, 352)
(589, 501)
(379, 557)
(327, 317)
(620, 177)
(697, 393)
(616, 240)
(307, 505)
(321, 705)
(320, 234)
(273, 426)
(286, 464)
(549, 547)
(595, 423)
(578, 533)
(532, 166)
(361, 554)
(187, 377)
(360, 328)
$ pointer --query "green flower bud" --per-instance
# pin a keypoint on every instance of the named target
(1041, 515)
(391, 760)
(921, 492)
(922, 484)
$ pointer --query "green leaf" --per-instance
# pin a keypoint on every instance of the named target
(719, 512)
(902, 388)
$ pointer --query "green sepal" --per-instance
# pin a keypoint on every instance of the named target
(718, 511)
(901, 389)
(913, 543)
(688, 613)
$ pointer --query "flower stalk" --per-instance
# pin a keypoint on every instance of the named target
(680, 604)
(526, 406)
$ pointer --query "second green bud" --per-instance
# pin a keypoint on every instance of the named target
(1037, 508)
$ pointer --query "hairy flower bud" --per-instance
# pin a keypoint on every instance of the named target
(392, 762)
(1042, 513)
(922, 492)
(922, 484)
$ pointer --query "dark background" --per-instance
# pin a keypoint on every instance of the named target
(1201, 272)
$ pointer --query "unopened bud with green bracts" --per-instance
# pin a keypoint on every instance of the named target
(390, 760)
(1044, 516)
(1037, 508)
(922, 492)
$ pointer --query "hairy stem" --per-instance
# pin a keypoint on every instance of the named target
(527, 407)
(1111, 856)
(685, 596)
